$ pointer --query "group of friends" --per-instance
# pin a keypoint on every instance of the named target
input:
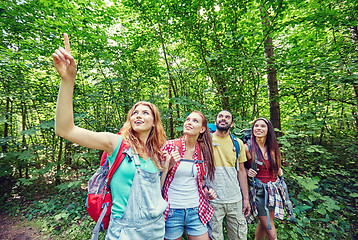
(188, 184)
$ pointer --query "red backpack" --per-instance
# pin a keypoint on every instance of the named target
(99, 197)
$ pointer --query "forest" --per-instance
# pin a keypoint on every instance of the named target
(294, 62)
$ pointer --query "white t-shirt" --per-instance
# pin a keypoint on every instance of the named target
(183, 191)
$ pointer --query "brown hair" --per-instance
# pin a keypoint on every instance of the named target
(272, 146)
(206, 146)
(156, 137)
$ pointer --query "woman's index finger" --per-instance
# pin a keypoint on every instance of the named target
(67, 42)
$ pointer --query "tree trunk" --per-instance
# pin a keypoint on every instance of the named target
(68, 158)
(354, 36)
(58, 164)
(6, 125)
(24, 144)
(170, 105)
(275, 117)
(221, 88)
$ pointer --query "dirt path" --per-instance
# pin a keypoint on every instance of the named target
(12, 228)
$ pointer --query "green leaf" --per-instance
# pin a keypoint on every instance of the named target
(302, 208)
(179, 128)
(27, 155)
(308, 183)
(60, 216)
(331, 205)
(24, 181)
(47, 124)
(354, 195)
(312, 198)
(321, 209)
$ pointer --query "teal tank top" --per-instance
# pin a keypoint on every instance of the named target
(122, 180)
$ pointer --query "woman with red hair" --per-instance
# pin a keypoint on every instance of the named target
(137, 211)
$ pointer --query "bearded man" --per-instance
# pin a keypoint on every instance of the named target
(230, 182)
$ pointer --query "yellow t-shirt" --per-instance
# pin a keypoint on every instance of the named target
(224, 152)
(226, 183)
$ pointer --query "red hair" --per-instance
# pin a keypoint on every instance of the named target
(156, 137)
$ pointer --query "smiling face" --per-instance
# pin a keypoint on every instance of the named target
(142, 119)
(224, 121)
(260, 129)
(193, 124)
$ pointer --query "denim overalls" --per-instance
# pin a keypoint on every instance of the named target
(143, 216)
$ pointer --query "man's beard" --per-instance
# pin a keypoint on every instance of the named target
(223, 128)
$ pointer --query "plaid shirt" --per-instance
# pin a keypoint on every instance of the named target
(205, 210)
(277, 197)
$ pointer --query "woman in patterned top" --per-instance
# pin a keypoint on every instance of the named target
(185, 190)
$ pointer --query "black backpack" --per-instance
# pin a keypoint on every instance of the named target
(245, 135)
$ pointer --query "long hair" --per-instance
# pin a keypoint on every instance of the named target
(272, 147)
(206, 146)
(156, 137)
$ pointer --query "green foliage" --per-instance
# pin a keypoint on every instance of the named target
(182, 56)
(62, 211)
(320, 182)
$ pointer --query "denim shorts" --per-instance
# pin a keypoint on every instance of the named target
(184, 219)
(260, 202)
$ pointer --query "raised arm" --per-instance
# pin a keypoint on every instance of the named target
(64, 123)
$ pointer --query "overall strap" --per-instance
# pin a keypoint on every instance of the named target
(133, 155)
(136, 159)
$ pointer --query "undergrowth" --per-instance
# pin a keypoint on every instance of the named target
(322, 182)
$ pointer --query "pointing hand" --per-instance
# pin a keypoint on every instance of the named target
(64, 62)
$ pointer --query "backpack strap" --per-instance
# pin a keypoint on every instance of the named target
(122, 152)
(104, 159)
(201, 163)
(178, 146)
(253, 161)
(236, 145)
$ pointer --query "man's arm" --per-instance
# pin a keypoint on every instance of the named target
(244, 189)
(242, 176)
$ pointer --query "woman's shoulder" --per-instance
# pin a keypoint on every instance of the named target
(246, 146)
(170, 144)
(174, 142)
(120, 140)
